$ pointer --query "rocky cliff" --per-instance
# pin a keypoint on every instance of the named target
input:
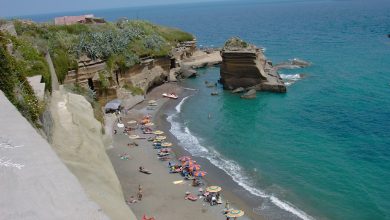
(244, 65)
(77, 139)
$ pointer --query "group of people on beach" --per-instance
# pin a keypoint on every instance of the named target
(188, 168)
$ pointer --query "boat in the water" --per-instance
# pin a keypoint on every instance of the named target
(214, 93)
(171, 96)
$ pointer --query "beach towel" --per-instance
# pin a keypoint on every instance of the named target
(178, 182)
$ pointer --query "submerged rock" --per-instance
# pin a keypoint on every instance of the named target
(300, 63)
(251, 94)
(238, 90)
(244, 65)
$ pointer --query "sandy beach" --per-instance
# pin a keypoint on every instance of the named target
(162, 198)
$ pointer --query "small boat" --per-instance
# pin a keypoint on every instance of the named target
(171, 96)
(214, 93)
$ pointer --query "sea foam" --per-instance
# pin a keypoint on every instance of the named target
(290, 79)
(192, 144)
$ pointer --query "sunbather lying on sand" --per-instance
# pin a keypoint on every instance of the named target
(143, 170)
(190, 197)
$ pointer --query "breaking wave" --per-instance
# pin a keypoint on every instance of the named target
(191, 144)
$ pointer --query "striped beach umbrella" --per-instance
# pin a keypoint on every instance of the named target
(195, 167)
(161, 138)
(134, 136)
(235, 213)
(213, 189)
(158, 132)
(166, 144)
(200, 173)
(184, 158)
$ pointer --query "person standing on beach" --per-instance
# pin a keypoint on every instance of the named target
(139, 192)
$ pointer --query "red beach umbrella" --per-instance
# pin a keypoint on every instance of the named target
(188, 163)
(200, 173)
(184, 158)
(195, 167)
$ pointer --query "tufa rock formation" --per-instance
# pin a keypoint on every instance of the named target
(244, 65)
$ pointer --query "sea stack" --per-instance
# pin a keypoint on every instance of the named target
(244, 65)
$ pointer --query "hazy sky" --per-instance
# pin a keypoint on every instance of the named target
(32, 7)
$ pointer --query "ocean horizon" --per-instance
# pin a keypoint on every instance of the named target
(322, 149)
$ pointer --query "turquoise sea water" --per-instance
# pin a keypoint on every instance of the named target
(324, 146)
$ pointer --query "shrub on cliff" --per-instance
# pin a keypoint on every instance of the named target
(235, 43)
(14, 83)
(123, 42)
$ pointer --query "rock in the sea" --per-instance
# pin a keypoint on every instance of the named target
(238, 90)
(251, 94)
(187, 72)
(299, 62)
(244, 65)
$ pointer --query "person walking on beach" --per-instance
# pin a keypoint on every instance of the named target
(139, 192)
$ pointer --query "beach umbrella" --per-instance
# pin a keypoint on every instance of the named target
(133, 136)
(194, 167)
(188, 163)
(158, 132)
(213, 189)
(184, 158)
(166, 144)
(161, 138)
(200, 173)
(120, 125)
(235, 213)
(149, 124)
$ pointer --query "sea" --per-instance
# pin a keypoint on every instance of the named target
(319, 151)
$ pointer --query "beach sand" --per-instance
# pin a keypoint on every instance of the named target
(162, 198)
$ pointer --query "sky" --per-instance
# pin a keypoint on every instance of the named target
(9, 8)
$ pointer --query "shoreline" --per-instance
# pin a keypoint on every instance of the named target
(237, 194)
(159, 187)
(216, 176)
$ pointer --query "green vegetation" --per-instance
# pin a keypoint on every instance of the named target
(122, 43)
(33, 61)
(235, 42)
(14, 83)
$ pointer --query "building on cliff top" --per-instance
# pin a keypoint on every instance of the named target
(83, 19)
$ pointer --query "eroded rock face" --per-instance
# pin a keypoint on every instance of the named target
(244, 65)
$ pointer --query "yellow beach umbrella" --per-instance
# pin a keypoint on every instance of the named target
(213, 189)
(158, 132)
(134, 136)
(166, 144)
(235, 213)
(161, 138)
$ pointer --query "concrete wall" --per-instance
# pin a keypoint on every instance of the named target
(34, 183)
